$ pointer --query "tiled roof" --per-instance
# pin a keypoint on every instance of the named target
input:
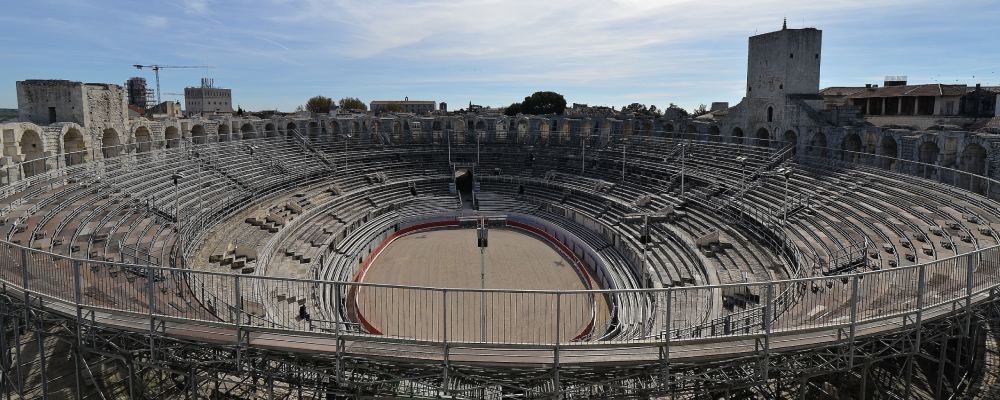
(840, 90)
(932, 89)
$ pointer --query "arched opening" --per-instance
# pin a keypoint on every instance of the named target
(647, 128)
(290, 128)
(691, 132)
(522, 131)
(334, 129)
(770, 114)
(851, 147)
(397, 132)
(564, 133)
(890, 152)
(818, 145)
(143, 140)
(223, 132)
(714, 134)
(313, 130)
(32, 150)
(763, 137)
(247, 131)
(669, 128)
(973, 161)
(198, 134)
(543, 132)
(172, 136)
(269, 130)
(437, 132)
(792, 138)
(928, 157)
(74, 148)
(737, 135)
(110, 145)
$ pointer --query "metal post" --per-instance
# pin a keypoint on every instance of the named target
(444, 338)
(238, 299)
(555, 359)
(683, 147)
(784, 218)
(623, 159)
(768, 316)
(79, 334)
(854, 320)
(583, 155)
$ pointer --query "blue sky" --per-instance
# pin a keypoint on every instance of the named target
(278, 53)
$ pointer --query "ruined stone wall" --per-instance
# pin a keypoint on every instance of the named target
(37, 100)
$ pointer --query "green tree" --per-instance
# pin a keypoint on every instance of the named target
(544, 102)
(352, 103)
(701, 110)
(319, 104)
(513, 109)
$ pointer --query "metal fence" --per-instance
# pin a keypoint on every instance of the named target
(852, 302)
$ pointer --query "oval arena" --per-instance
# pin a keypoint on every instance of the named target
(779, 248)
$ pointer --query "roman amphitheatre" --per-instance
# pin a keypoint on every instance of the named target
(316, 256)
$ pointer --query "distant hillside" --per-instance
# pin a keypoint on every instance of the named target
(8, 114)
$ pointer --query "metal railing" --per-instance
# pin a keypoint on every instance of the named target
(888, 298)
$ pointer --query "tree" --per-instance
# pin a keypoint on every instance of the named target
(544, 103)
(352, 103)
(641, 109)
(319, 105)
(513, 109)
(701, 110)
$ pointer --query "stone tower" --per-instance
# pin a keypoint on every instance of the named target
(784, 62)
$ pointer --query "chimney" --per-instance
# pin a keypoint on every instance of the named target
(979, 86)
(868, 86)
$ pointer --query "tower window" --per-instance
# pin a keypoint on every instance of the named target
(791, 55)
(770, 114)
(817, 56)
(781, 86)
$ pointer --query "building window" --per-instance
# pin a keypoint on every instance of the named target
(791, 55)
(770, 114)
(52, 115)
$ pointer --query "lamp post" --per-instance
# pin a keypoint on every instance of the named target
(683, 151)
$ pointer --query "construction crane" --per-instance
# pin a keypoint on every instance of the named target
(156, 70)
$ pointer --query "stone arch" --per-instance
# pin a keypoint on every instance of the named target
(397, 131)
(143, 139)
(737, 135)
(714, 134)
(818, 146)
(543, 131)
(198, 135)
(851, 147)
(74, 147)
(763, 137)
(691, 131)
(290, 128)
(313, 130)
(223, 132)
(647, 127)
(973, 161)
(247, 131)
(928, 153)
(669, 127)
(792, 138)
(110, 144)
(564, 132)
(522, 131)
(32, 149)
(172, 136)
(269, 130)
(889, 151)
(437, 132)
(334, 128)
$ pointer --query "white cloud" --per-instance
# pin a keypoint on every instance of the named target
(153, 21)
(197, 7)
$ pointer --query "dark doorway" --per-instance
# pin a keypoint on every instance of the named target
(463, 182)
